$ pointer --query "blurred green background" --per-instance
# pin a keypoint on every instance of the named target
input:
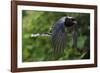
(39, 48)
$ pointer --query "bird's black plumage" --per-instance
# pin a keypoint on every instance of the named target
(59, 35)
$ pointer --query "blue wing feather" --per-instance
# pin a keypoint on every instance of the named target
(59, 39)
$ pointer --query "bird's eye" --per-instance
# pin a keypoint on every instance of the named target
(73, 19)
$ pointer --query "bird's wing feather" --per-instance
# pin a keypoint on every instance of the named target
(58, 40)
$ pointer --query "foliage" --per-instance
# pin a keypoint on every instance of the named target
(39, 48)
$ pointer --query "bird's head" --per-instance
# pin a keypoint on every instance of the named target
(70, 21)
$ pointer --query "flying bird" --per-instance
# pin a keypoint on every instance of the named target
(59, 35)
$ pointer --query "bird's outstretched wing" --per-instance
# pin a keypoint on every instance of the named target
(59, 40)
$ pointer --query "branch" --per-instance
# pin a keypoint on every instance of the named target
(38, 34)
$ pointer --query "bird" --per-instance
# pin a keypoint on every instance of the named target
(59, 34)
